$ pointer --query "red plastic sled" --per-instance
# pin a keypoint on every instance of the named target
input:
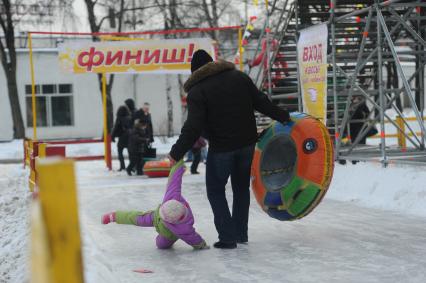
(157, 169)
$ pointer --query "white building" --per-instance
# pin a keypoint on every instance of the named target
(70, 105)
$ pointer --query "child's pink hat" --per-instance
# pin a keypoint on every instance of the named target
(173, 211)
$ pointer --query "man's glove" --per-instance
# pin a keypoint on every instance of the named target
(287, 118)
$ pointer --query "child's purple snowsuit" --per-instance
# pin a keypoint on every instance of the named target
(168, 233)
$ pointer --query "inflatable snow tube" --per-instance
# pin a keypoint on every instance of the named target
(292, 167)
(157, 168)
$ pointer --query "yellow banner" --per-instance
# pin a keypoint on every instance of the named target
(148, 56)
(312, 60)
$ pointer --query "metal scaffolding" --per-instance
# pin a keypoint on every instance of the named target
(369, 42)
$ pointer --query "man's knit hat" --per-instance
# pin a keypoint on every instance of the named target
(199, 59)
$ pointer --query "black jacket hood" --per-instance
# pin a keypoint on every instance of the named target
(206, 71)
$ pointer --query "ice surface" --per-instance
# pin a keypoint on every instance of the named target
(338, 242)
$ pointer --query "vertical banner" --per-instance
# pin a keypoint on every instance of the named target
(165, 56)
(312, 60)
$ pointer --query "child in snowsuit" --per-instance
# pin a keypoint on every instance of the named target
(172, 219)
(138, 141)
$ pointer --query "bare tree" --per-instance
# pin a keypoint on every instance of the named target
(8, 60)
(171, 18)
(95, 27)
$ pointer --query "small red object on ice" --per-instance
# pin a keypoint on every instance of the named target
(141, 270)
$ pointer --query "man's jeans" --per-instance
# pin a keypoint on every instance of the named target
(221, 165)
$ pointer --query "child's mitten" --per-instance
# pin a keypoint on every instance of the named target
(108, 218)
(201, 246)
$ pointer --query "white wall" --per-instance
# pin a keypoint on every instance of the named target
(6, 124)
(87, 98)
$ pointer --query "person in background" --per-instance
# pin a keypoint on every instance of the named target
(138, 142)
(360, 113)
(144, 114)
(196, 153)
(130, 103)
(189, 156)
(204, 153)
(122, 126)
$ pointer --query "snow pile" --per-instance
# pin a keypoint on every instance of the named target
(398, 187)
(14, 224)
(13, 150)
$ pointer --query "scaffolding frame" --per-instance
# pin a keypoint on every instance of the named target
(381, 26)
(384, 40)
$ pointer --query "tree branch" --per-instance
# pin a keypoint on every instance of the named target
(3, 55)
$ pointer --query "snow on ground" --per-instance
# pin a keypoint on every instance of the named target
(399, 187)
(13, 150)
(369, 228)
(14, 224)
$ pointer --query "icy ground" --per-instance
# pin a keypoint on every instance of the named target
(339, 242)
(371, 227)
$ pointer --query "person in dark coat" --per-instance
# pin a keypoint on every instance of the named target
(144, 114)
(122, 126)
(196, 154)
(138, 142)
(360, 112)
(221, 104)
(130, 103)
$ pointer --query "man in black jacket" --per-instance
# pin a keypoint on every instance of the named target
(122, 126)
(221, 103)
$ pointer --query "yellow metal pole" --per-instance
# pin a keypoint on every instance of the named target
(240, 47)
(104, 102)
(402, 143)
(33, 89)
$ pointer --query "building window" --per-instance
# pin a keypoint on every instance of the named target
(54, 105)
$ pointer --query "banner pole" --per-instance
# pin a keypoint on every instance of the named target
(105, 118)
(33, 89)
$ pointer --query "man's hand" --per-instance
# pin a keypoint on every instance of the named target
(172, 161)
(286, 122)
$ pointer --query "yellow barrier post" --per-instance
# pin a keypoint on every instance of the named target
(59, 225)
(42, 150)
(105, 117)
(39, 247)
(402, 142)
(32, 153)
(240, 48)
